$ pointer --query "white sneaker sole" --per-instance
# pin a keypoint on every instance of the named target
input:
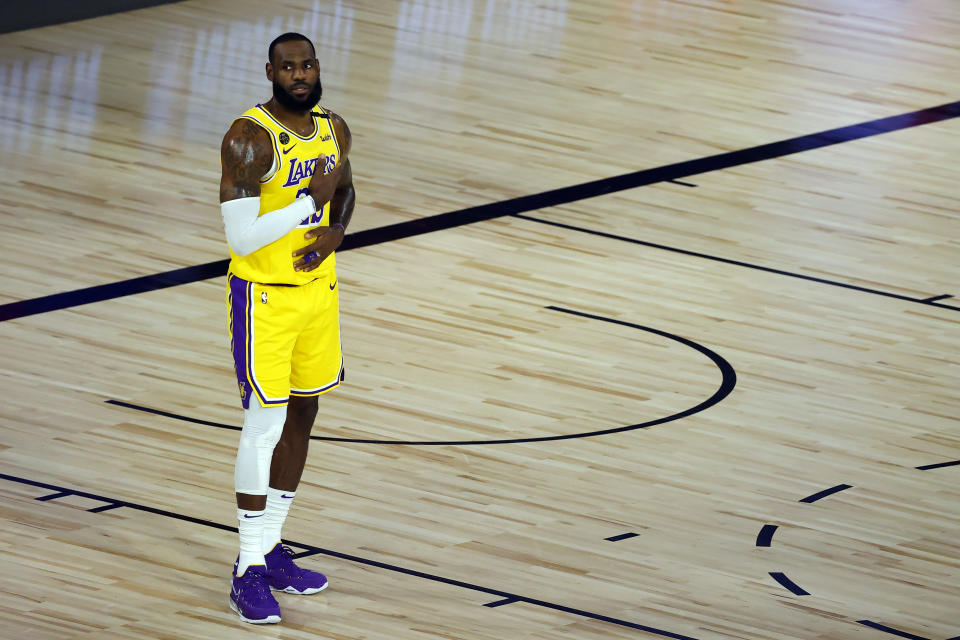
(267, 620)
(305, 592)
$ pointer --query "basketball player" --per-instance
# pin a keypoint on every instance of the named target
(287, 196)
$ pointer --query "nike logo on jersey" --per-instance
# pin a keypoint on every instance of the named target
(334, 285)
(286, 151)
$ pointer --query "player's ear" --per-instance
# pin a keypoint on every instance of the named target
(269, 70)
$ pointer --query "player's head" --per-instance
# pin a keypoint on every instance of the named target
(294, 72)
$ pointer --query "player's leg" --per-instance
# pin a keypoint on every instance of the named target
(261, 349)
(290, 454)
(262, 427)
(316, 367)
(289, 458)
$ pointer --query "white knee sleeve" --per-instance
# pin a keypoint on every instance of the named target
(262, 427)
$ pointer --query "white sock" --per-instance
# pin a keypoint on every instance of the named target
(251, 532)
(278, 504)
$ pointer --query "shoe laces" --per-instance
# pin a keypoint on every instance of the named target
(253, 582)
(288, 565)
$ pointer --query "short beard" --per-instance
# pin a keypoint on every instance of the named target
(290, 103)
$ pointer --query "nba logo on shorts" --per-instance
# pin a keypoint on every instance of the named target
(263, 297)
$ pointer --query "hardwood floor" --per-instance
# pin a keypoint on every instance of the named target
(821, 277)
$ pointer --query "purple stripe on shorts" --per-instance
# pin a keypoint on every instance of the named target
(251, 361)
(239, 306)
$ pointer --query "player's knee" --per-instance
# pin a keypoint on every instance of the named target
(303, 412)
(262, 426)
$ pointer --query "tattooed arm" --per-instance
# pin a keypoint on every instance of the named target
(341, 205)
(245, 156)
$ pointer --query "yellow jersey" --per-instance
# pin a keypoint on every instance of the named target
(295, 160)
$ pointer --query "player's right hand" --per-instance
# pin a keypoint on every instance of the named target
(322, 185)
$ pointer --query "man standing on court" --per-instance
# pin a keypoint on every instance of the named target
(287, 196)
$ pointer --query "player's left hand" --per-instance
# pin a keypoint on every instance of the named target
(325, 241)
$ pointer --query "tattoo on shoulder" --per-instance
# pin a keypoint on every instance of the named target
(246, 155)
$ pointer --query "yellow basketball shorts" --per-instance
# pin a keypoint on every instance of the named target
(285, 339)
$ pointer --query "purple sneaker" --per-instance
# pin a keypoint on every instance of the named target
(250, 596)
(283, 575)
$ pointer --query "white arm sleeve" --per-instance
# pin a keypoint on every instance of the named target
(246, 231)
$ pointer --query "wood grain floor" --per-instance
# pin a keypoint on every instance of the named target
(805, 272)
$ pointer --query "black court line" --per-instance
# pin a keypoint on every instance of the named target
(54, 496)
(890, 630)
(789, 584)
(512, 206)
(727, 384)
(106, 507)
(102, 292)
(938, 465)
(739, 263)
(935, 298)
(680, 182)
(504, 595)
(765, 537)
(826, 492)
(500, 603)
(622, 536)
(177, 416)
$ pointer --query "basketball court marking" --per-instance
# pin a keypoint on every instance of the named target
(788, 584)
(622, 536)
(826, 492)
(727, 384)
(939, 465)
(514, 206)
(506, 597)
(765, 538)
(931, 301)
(890, 630)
